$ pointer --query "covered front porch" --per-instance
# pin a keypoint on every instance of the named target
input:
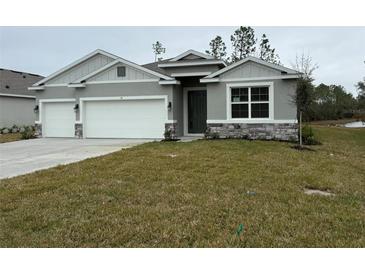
(189, 108)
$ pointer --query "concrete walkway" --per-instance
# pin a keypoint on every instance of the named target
(22, 157)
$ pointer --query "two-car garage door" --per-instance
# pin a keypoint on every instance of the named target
(107, 119)
(124, 119)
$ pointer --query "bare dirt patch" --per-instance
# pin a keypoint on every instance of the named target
(312, 191)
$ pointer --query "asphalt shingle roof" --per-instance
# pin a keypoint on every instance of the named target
(17, 82)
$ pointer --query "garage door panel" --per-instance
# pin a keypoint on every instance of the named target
(125, 119)
(58, 119)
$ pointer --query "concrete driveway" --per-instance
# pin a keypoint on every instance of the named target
(22, 157)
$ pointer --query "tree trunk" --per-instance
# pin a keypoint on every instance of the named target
(300, 129)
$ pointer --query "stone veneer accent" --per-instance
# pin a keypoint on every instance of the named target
(172, 127)
(38, 130)
(78, 130)
(282, 132)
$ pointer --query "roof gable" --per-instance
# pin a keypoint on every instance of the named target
(250, 69)
(81, 63)
(191, 55)
(108, 72)
(263, 64)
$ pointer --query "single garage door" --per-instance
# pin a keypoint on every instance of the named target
(58, 119)
(125, 119)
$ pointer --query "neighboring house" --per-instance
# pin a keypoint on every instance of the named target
(16, 101)
(104, 96)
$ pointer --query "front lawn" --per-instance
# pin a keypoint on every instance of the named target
(10, 137)
(195, 195)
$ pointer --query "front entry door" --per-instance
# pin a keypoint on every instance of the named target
(197, 111)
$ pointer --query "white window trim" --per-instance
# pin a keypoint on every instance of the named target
(123, 98)
(249, 85)
(42, 101)
(185, 106)
(252, 121)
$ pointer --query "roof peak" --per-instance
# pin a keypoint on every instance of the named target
(193, 52)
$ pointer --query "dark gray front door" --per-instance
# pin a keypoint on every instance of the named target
(197, 111)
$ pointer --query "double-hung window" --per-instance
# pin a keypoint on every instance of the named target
(250, 102)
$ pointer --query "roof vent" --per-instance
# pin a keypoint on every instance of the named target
(7, 86)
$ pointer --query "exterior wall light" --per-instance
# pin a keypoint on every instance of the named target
(169, 106)
(76, 107)
(36, 109)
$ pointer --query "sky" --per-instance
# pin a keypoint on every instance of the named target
(339, 52)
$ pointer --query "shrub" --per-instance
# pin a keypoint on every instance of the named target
(28, 133)
(308, 137)
(211, 135)
(169, 134)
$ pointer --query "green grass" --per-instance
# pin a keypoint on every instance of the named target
(10, 137)
(141, 197)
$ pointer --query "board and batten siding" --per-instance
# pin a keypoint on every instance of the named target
(250, 70)
(131, 74)
(82, 69)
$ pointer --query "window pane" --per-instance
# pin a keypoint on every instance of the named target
(121, 71)
(239, 94)
(239, 110)
(259, 94)
(260, 110)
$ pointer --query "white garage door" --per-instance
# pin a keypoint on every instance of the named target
(125, 119)
(58, 119)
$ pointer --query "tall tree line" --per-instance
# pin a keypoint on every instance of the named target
(244, 44)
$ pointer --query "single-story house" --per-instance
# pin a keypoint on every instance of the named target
(16, 102)
(103, 95)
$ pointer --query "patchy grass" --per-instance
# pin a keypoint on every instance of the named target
(338, 122)
(142, 197)
(10, 137)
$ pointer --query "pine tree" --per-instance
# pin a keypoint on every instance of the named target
(158, 49)
(267, 53)
(217, 48)
(243, 42)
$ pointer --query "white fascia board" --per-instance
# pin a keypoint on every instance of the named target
(190, 64)
(60, 100)
(188, 74)
(194, 52)
(252, 121)
(17, 95)
(172, 82)
(213, 80)
(73, 64)
(253, 59)
(36, 88)
(281, 77)
(123, 81)
(76, 85)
